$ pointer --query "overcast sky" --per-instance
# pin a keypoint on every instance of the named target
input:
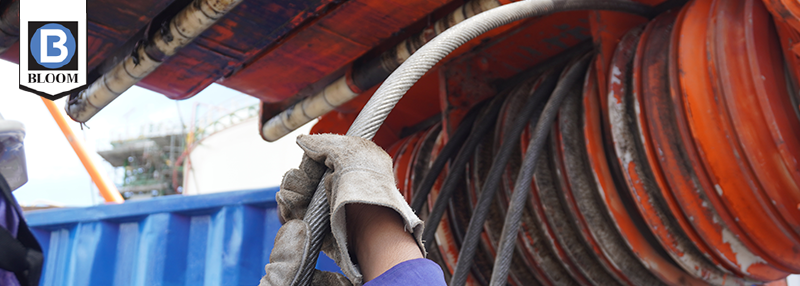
(55, 174)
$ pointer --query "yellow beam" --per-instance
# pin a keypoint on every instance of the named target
(107, 189)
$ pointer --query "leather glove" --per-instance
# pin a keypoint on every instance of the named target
(287, 255)
(361, 173)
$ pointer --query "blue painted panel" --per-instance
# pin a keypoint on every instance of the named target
(215, 239)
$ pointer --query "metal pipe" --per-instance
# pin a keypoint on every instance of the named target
(364, 75)
(147, 56)
(107, 189)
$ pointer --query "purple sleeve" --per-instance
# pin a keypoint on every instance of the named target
(413, 272)
(9, 219)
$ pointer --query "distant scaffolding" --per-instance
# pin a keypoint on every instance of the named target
(149, 163)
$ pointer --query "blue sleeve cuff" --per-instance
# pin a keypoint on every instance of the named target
(412, 272)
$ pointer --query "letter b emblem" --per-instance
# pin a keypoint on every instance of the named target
(53, 46)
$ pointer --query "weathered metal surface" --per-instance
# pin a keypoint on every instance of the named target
(548, 191)
(791, 54)
(523, 270)
(628, 248)
(714, 138)
(680, 169)
(582, 198)
(404, 158)
(113, 23)
(474, 76)
(687, 180)
(326, 45)
(447, 235)
(571, 235)
(539, 228)
(550, 259)
(423, 159)
(625, 218)
(237, 39)
(642, 182)
(525, 265)
(735, 62)
(704, 185)
(574, 176)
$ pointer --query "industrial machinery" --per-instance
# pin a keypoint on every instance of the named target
(148, 164)
(643, 142)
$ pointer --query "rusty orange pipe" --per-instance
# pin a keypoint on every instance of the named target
(107, 189)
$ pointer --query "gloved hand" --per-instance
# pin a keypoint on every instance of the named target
(287, 254)
(362, 173)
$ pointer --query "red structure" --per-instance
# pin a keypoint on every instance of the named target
(676, 161)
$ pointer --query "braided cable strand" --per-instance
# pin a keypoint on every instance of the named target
(494, 175)
(453, 145)
(399, 82)
(318, 219)
(522, 186)
(457, 169)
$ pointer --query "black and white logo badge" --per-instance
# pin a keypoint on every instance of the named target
(52, 47)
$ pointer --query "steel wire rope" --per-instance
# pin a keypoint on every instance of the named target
(453, 146)
(492, 181)
(523, 184)
(457, 140)
(459, 164)
(400, 81)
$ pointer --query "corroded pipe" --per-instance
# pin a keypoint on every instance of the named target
(146, 57)
(364, 75)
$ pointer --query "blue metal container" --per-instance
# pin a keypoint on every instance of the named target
(215, 239)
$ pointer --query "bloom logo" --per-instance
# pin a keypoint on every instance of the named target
(53, 47)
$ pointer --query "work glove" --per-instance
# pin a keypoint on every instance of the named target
(287, 255)
(291, 242)
(361, 173)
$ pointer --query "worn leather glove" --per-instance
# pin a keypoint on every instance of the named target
(286, 258)
(361, 173)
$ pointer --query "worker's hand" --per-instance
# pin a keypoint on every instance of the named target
(287, 255)
(297, 188)
(362, 174)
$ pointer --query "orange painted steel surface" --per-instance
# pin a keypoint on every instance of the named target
(404, 157)
(712, 132)
(326, 45)
(676, 165)
(422, 159)
(639, 245)
(751, 129)
(628, 162)
(768, 76)
(653, 195)
(688, 181)
(467, 76)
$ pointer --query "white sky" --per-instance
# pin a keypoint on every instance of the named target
(55, 174)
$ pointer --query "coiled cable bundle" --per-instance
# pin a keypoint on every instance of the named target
(683, 172)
